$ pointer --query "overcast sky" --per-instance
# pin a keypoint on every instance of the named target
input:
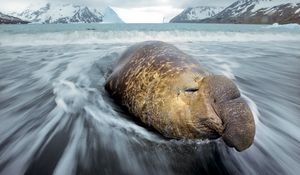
(128, 10)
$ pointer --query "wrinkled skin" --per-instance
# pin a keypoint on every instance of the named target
(168, 90)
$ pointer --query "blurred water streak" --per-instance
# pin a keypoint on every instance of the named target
(56, 118)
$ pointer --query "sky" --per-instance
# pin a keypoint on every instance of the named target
(131, 11)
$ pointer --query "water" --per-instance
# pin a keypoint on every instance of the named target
(56, 117)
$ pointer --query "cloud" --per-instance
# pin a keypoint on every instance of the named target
(172, 3)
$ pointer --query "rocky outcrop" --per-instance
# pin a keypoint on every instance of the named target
(7, 19)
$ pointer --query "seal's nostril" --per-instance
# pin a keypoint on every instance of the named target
(215, 100)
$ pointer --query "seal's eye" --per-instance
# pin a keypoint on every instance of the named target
(191, 89)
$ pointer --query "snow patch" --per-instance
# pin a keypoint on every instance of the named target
(197, 13)
(271, 3)
(254, 6)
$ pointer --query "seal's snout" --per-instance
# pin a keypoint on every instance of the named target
(237, 118)
(239, 127)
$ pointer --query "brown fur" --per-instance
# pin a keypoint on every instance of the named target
(168, 90)
(150, 80)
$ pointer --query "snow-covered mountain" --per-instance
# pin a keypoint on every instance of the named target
(110, 16)
(196, 13)
(247, 11)
(7, 19)
(259, 12)
(63, 13)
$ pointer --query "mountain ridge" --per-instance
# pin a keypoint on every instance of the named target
(196, 13)
(257, 12)
(64, 13)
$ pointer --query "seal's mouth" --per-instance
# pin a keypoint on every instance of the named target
(214, 109)
(220, 127)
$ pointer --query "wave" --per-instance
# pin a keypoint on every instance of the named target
(284, 26)
(96, 37)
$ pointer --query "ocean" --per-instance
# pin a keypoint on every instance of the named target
(56, 117)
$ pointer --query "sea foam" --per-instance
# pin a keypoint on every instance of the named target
(108, 37)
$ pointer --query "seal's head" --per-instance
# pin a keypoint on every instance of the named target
(214, 108)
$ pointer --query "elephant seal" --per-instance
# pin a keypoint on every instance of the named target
(168, 90)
